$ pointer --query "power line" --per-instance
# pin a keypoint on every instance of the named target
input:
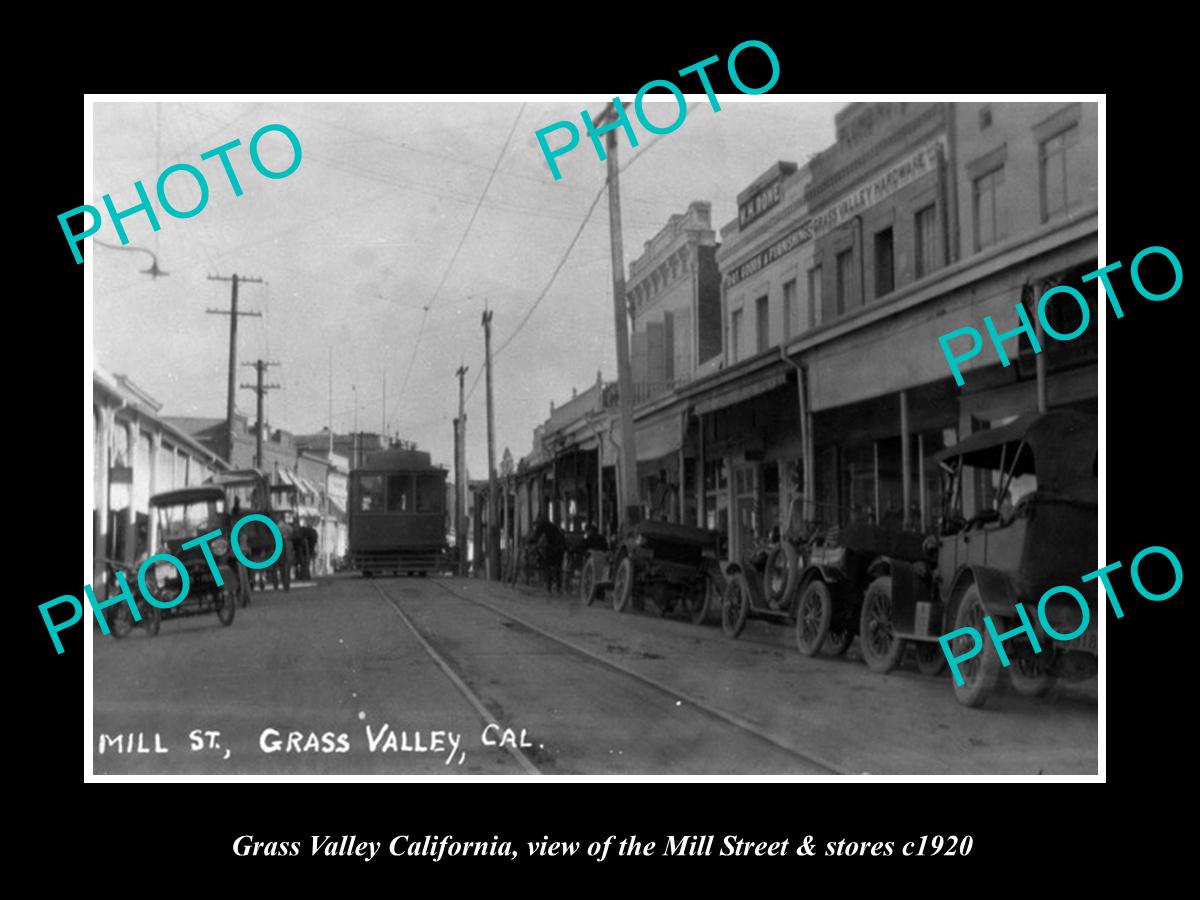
(446, 274)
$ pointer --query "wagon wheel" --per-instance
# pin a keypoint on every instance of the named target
(780, 575)
(224, 599)
(623, 584)
(839, 640)
(122, 621)
(697, 601)
(814, 613)
(152, 620)
(930, 658)
(735, 605)
(587, 582)
(881, 648)
(980, 672)
(1031, 676)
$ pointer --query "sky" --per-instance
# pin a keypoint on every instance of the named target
(360, 239)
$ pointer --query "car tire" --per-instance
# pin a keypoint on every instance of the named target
(224, 599)
(780, 574)
(587, 582)
(1029, 676)
(735, 605)
(623, 585)
(839, 640)
(152, 620)
(882, 649)
(930, 658)
(699, 599)
(814, 613)
(981, 672)
(122, 622)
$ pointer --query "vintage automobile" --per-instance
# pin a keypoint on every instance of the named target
(659, 566)
(1033, 527)
(762, 584)
(183, 515)
(828, 608)
(249, 491)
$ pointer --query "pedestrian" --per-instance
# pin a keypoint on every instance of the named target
(551, 546)
(660, 497)
(307, 538)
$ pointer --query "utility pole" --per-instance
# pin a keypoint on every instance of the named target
(460, 469)
(261, 366)
(233, 314)
(629, 478)
(493, 536)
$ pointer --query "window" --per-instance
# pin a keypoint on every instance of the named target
(1054, 161)
(795, 320)
(399, 493)
(762, 322)
(885, 273)
(925, 230)
(735, 334)
(429, 494)
(987, 230)
(370, 493)
(814, 296)
(844, 260)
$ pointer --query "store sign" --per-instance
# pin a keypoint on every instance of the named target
(760, 203)
(899, 176)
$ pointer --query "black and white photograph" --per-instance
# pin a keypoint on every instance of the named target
(697, 434)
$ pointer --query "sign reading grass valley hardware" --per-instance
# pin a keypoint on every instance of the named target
(895, 178)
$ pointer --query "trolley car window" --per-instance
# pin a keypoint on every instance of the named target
(370, 493)
(399, 493)
(429, 494)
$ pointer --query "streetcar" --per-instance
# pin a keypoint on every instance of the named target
(398, 514)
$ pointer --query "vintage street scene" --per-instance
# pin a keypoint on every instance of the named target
(730, 453)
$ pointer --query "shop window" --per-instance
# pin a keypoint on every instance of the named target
(985, 190)
(925, 235)
(1056, 158)
(885, 274)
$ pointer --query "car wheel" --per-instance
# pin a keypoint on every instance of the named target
(122, 622)
(1031, 676)
(224, 599)
(587, 582)
(839, 640)
(980, 672)
(814, 612)
(152, 620)
(735, 605)
(930, 658)
(623, 584)
(780, 575)
(881, 648)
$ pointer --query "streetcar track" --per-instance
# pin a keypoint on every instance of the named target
(472, 698)
(675, 694)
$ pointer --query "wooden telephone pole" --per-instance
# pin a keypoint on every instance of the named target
(261, 366)
(493, 534)
(233, 314)
(460, 472)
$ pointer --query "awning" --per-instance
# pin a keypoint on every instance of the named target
(738, 391)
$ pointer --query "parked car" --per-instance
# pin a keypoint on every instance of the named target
(762, 584)
(661, 566)
(1033, 528)
(183, 515)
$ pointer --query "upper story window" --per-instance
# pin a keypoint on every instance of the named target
(985, 191)
(793, 323)
(762, 322)
(925, 240)
(845, 270)
(885, 270)
(735, 335)
(814, 296)
(1056, 158)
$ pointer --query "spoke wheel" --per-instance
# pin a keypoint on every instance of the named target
(981, 671)
(1031, 676)
(781, 573)
(881, 648)
(623, 585)
(839, 640)
(930, 658)
(814, 613)
(587, 582)
(224, 599)
(735, 605)
(122, 622)
(698, 600)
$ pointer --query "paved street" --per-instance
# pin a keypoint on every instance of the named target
(419, 675)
